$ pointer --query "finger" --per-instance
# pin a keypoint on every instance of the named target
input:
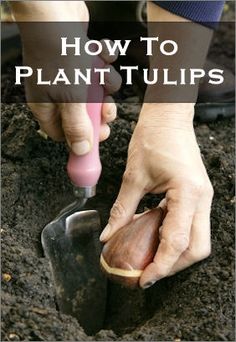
(104, 132)
(161, 205)
(200, 238)
(199, 248)
(125, 205)
(174, 241)
(109, 110)
(105, 54)
(136, 216)
(112, 80)
(77, 127)
(48, 117)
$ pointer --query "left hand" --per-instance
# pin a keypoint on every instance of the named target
(59, 118)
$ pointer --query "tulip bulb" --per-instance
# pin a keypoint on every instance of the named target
(126, 254)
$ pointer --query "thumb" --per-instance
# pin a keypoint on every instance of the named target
(77, 127)
(124, 207)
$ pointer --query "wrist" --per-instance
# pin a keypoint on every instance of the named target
(168, 114)
(27, 10)
(49, 11)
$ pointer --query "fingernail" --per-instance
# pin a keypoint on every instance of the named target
(105, 233)
(148, 284)
(81, 147)
(111, 114)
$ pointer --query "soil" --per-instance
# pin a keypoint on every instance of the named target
(195, 305)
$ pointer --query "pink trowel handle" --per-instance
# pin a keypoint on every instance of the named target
(84, 171)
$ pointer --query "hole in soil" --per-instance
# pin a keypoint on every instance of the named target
(125, 309)
(116, 308)
(97, 306)
(82, 291)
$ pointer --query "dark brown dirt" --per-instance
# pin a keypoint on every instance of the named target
(195, 305)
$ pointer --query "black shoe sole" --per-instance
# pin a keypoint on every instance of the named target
(209, 112)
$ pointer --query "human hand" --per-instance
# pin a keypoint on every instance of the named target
(58, 118)
(164, 157)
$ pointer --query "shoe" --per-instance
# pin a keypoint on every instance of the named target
(215, 102)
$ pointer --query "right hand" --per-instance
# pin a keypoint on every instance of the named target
(164, 158)
(61, 121)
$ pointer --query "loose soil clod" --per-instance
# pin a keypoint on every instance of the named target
(6, 277)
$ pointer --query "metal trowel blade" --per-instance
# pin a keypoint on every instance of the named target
(72, 246)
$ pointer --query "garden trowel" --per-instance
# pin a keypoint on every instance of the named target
(71, 240)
